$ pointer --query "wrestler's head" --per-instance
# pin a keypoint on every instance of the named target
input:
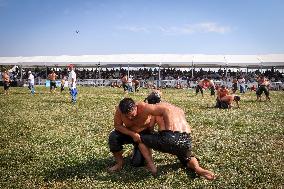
(237, 98)
(128, 107)
(223, 87)
(153, 98)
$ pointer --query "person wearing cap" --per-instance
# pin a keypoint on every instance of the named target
(31, 81)
(72, 84)
(6, 82)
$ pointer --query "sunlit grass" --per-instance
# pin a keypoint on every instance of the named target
(46, 142)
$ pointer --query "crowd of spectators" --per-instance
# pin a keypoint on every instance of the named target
(151, 74)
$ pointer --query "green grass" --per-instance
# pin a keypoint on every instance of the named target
(46, 142)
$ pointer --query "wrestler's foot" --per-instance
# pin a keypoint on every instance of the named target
(116, 167)
(152, 168)
(208, 175)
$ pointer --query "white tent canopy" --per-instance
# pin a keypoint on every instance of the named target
(150, 60)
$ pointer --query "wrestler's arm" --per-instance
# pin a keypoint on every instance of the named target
(152, 123)
(160, 110)
(218, 94)
(118, 125)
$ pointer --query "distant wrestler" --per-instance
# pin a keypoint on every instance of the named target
(235, 86)
(6, 82)
(136, 84)
(228, 100)
(263, 84)
(202, 84)
(154, 97)
(212, 87)
(52, 77)
(221, 93)
(124, 80)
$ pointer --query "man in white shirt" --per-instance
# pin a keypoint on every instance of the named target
(31, 80)
(242, 83)
(72, 83)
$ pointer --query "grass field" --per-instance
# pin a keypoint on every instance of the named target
(46, 142)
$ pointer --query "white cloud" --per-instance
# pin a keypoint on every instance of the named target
(213, 27)
(204, 27)
(134, 29)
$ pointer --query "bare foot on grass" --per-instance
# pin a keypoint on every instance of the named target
(115, 168)
(208, 175)
(152, 169)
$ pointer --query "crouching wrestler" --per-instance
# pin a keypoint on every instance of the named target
(227, 101)
(173, 137)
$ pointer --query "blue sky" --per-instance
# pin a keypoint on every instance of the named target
(48, 27)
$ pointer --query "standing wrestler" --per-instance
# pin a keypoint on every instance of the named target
(173, 137)
(136, 83)
(124, 80)
(52, 77)
(62, 83)
(263, 84)
(211, 86)
(235, 86)
(202, 84)
(6, 82)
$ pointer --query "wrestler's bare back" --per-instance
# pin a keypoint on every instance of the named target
(178, 119)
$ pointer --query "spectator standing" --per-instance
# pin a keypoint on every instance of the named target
(72, 84)
(31, 80)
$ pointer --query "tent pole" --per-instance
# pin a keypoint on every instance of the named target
(128, 70)
(46, 72)
(192, 69)
(226, 71)
(99, 68)
(21, 73)
(160, 74)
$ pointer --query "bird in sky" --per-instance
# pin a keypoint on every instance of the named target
(77, 31)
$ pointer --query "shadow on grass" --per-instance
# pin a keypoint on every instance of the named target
(58, 101)
(167, 168)
(97, 169)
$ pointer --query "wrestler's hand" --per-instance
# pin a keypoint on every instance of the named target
(136, 137)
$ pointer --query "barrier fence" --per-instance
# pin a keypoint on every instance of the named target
(150, 83)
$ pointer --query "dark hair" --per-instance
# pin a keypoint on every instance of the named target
(153, 98)
(126, 105)
(237, 98)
